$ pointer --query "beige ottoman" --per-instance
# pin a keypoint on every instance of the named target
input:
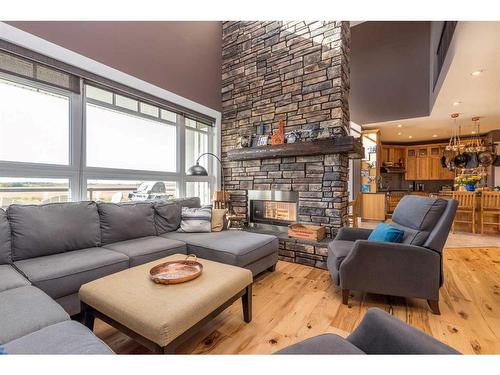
(161, 317)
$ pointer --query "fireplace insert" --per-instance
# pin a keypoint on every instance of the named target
(273, 210)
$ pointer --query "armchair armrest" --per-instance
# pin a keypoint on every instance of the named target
(353, 234)
(392, 268)
(381, 333)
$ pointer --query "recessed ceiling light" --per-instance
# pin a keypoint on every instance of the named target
(400, 133)
(456, 103)
(410, 136)
(434, 136)
(473, 132)
(477, 72)
(400, 126)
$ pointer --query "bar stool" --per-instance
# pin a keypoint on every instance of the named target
(354, 211)
(466, 205)
(490, 205)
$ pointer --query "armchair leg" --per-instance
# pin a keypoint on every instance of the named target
(345, 296)
(434, 305)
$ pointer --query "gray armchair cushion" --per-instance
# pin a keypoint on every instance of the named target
(67, 337)
(322, 344)
(419, 215)
(237, 248)
(125, 221)
(338, 250)
(62, 274)
(146, 249)
(5, 249)
(353, 234)
(10, 278)
(381, 333)
(53, 228)
(168, 213)
(25, 310)
(393, 269)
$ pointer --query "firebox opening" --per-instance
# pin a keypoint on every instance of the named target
(272, 209)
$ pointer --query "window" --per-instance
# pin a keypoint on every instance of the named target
(16, 190)
(34, 125)
(196, 144)
(199, 189)
(117, 191)
(58, 145)
(125, 141)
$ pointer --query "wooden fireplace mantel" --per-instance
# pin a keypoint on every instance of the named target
(346, 144)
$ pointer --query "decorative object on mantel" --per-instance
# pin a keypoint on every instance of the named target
(278, 136)
(344, 144)
(307, 232)
(292, 137)
(176, 272)
(199, 170)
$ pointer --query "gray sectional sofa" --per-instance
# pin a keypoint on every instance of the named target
(48, 251)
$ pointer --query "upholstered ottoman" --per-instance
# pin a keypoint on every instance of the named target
(161, 317)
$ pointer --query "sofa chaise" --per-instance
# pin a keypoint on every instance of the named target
(48, 251)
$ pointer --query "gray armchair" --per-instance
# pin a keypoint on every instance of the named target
(378, 333)
(412, 268)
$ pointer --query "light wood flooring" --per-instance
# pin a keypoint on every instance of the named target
(296, 302)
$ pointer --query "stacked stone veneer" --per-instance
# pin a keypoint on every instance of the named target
(299, 72)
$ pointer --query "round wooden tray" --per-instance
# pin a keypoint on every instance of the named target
(176, 272)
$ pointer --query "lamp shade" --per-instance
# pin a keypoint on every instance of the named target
(197, 170)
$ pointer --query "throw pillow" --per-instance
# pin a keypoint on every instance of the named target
(218, 215)
(196, 220)
(386, 233)
(2, 350)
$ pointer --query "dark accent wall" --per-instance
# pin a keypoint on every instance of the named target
(182, 57)
(390, 71)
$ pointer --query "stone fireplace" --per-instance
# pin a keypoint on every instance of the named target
(297, 72)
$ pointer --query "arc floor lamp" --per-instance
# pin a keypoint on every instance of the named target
(199, 170)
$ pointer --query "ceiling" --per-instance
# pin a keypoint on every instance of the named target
(476, 47)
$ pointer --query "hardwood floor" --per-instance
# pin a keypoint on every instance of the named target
(296, 302)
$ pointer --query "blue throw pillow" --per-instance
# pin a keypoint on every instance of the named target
(2, 350)
(386, 233)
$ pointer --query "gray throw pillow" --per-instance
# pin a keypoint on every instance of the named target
(196, 220)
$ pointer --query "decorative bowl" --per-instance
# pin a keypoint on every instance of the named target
(176, 272)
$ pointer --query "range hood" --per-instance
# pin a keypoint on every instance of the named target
(385, 169)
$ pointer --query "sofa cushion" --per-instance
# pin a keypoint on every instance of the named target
(5, 249)
(196, 220)
(322, 344)
(418, 215)
(62, 274)
(67, 337)
(146, 249)
(237, 248)
(53, 228)
(25, 310)
(125, 221)
(168, 213)
(10, 278)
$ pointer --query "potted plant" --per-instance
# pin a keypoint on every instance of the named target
(467, 182)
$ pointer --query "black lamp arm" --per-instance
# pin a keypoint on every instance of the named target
(208, 153)
(220, 162)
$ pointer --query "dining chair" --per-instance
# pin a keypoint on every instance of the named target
(466, 211)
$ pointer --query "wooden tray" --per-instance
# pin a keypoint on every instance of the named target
(176, 272)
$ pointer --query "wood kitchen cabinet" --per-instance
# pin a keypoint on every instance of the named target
(393, 154)
(424, 163)
(411, 164)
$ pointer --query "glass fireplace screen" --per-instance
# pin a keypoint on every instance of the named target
(273, 212)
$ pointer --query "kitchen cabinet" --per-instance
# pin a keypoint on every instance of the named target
(373, 206)
(424, 163)
(411, 164)
(393, 154)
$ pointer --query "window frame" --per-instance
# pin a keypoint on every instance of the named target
(78, 173)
